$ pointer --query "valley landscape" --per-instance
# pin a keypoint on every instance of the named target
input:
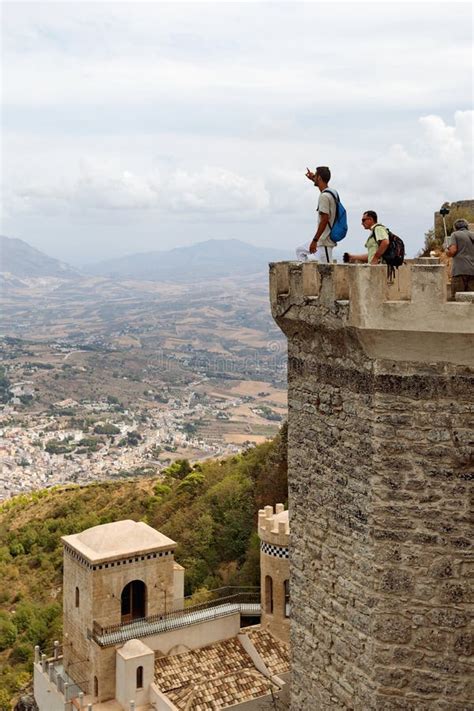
(115, 374)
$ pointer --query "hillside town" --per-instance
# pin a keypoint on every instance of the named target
(90, 441)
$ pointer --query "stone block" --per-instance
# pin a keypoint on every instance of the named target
(392, 628)
(396, 581)
(464, 644)
(453, 593)
(430, 638)
(426, 684)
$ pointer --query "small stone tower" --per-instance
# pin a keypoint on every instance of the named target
(380, 459)
(274, 533)
(113, 574)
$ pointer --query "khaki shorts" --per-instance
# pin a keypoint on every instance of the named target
(462, 283)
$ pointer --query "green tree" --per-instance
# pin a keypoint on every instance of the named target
(5, 394)
(179, 469)
(192, 483)
(8, 631)
(107, 429)
(5, 700)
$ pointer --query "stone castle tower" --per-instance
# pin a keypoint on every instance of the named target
(113, 574)
(380, 453)
(274, 534)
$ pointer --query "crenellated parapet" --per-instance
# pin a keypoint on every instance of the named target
(273, 525)
(361, 298)
(274, 533)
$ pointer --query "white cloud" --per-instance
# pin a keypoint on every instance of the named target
(436, 165)
(129, 53)
(105, 188)
(108, 187)
(147, 113)
(217, 190)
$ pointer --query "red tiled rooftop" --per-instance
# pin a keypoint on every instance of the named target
(211, 678)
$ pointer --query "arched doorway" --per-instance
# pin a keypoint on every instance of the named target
(133, 601)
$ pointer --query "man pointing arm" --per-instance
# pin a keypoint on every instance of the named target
(327, 208)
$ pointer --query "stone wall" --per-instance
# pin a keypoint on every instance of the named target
(77, 620)
(380, 459)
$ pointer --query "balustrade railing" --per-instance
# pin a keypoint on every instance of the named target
(51, 662)
(183, 612)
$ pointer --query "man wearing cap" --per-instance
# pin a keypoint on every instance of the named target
(461, 249)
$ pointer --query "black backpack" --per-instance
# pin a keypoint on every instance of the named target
(394, 255)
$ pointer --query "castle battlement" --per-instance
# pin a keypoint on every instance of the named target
(354, 296)
(273, 525)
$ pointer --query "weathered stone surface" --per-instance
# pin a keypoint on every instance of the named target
(380, 469)
(464, 644)
(392, 628)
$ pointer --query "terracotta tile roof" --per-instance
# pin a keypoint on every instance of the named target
(211, 678)
(275, 654)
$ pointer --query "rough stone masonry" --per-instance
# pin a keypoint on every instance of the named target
(380, 389)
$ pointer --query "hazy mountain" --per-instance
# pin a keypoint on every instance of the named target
(214, 258)
(21, 260)
(211, 259)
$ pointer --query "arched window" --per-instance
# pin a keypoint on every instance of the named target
(286, 585)
(96, 686)
(77, 597)
(133, 601)
(268, 594)
(139, 677)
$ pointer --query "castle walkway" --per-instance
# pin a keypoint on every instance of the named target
(245, 602)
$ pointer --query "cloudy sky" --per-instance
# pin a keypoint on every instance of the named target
(147, 125)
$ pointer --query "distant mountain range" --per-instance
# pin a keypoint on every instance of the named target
(210, 259)
(20, 259)
(199, 261)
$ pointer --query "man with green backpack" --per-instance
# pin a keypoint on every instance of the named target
(383, 247)
(376, 244)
